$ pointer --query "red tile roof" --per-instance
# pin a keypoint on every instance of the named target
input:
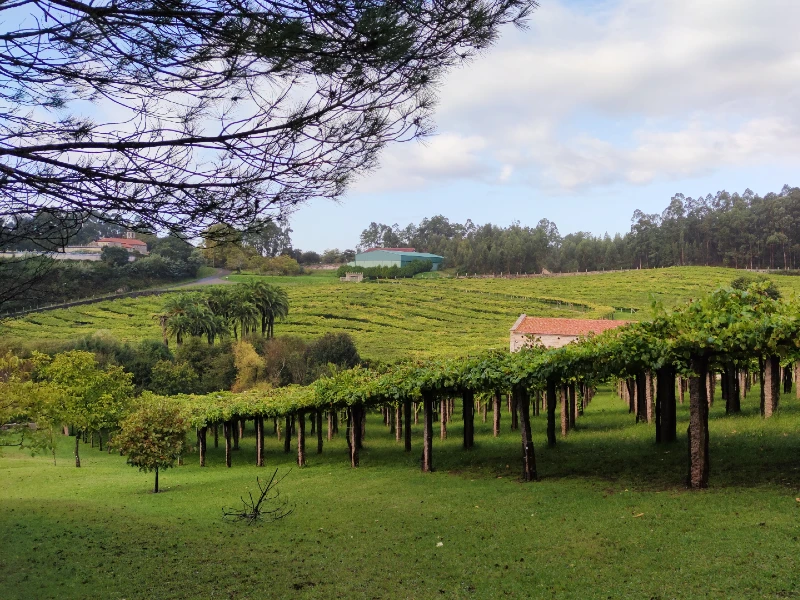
(544, 326)
(390, 250)
(125, 241)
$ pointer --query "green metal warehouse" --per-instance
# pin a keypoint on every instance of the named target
(378, 257)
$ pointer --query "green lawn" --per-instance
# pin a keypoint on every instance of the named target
(610, 518)
(416, 317)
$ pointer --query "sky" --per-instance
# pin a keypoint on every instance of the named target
(594, 111)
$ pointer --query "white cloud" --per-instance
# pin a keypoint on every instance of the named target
(505, 173)
(633, 91)
(445, 156)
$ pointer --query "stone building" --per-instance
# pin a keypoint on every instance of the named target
(129, 242)
(555, 333)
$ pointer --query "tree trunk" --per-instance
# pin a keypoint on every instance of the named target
(287, 434)
(681, 387)
(712, 387)
(398, 423)
(514, 415)
(641, 397)
(666, 422)
(77, 449)
(698, 425)
(216, 435)
(319, 431)
(201, 443)
(407, 424)
(528, 455)
(484, 406)
(468, 398)
(564, 410)
(649, 393)
(797, 380)
(330, 425)
(259, 423)
(155, 488)
(427, 435)
(731, 390)
(551, 412)
(771, 387)
(496, 415)
(443, 420)
(573, 406)
(301, 438)
(355, 433)
(235, 424)
(787, 387)
(226, 430)
(630, 385)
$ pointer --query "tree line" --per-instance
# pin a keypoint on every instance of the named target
(733, 230)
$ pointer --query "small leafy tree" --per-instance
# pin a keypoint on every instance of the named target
(153, 436)
(91, 398)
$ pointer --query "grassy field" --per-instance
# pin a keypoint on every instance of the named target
(610, 518)
(417, 317)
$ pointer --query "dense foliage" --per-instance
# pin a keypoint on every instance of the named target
(170, 260)
(724, 229)
(221, 311)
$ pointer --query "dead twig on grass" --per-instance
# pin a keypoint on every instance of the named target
(253, 510)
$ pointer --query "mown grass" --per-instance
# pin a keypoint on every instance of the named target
(610, 518)
(417, 318)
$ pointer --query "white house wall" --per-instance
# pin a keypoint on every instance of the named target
(520, 340)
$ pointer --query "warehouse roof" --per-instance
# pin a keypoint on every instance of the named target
(390, 250)
(377, 253)
(550, 326)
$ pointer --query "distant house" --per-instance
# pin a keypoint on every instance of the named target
(129, 242)
(555, 333)
(393, 257)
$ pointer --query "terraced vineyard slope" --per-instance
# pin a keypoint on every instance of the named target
(411, 317)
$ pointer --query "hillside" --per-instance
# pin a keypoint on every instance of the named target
(390, 320)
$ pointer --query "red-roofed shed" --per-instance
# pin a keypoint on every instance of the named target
(555, 333)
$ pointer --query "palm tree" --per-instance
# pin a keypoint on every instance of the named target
(243, 313)
(173, 317)
(178, 325)
(272, 303)
(201, 320)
